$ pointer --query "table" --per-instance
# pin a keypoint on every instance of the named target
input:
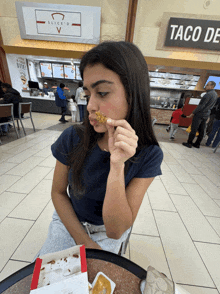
(126, 274)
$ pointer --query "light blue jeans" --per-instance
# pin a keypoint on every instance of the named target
(59, 238)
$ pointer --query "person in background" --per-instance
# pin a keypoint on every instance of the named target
(103, 169)
(60, 101)
(175, 120)
(81, 100)
(10, 96)
(215, 133)
(46, 89)
(73, 107)
(212, 117)
(200, 115)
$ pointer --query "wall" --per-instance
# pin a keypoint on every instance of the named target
(148, 25)
(113, 26)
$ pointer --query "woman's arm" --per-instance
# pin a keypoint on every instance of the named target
(64, 207)
(121, 205)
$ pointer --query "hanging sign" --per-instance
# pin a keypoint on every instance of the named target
(193, 33)
(54, 22)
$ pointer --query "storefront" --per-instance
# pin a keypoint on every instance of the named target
(180, 42)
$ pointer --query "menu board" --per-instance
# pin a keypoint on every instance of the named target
(46, 70)
(58, 70)
(78, 76)
(69, 72)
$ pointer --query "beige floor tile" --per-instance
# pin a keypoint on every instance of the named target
(144, 222)
(210, 254)
(184, 261)
(212, 166)
(6, 166)
(172, 185)
(26, 166)
(159, 198)
(30, 180)
(164, 167)
(19, 158)
(7, 181)
(211, 175)
(208, 186)
(146, 250)
(50, 161)
(36, 237)
(176, 154)
(195, 222)
(4, 156)
(199, 290)
(182, 175)
(215, 223)
(189, 167)
(195, 161)
(217, 201)
(35, 201)
(50, 175)
(13, 230)
(207, 205)
(11, 267)
(44, 152)
(168, 158)
(9, 200)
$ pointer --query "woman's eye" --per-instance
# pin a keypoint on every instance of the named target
(102, 94)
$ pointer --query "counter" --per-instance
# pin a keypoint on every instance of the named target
(44, 104)
(162, 115)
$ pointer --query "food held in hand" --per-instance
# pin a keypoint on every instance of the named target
(101, 118)
(102, 286)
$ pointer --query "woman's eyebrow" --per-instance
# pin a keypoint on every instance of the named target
(98, 83)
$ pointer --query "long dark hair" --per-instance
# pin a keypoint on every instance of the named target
(127, 61)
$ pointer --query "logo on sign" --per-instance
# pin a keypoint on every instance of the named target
(62, 23)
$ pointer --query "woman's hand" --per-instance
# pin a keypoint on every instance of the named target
(92, 245)
(122, 140)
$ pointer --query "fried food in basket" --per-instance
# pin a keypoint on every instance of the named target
(102, 286)
(101, 118)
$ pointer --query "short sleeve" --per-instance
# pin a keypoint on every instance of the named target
(151, 162)
(64, 145)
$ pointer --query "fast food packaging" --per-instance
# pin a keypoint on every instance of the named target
(61, 272)
(157, 282)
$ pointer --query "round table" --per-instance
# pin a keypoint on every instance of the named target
(126, 274)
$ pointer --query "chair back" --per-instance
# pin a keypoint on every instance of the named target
(6, 110)
(25, 107)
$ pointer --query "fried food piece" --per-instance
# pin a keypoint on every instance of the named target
(102, 285)
(101, 118)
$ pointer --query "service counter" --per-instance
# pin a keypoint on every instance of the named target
(44, 104)
(162, 115)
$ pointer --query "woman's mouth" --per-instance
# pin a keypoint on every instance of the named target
(93, 122)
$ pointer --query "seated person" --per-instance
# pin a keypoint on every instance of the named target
(104, 167)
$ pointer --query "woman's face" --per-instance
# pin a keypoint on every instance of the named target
(105, 93)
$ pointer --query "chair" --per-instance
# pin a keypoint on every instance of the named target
(154, 120)
(24, 107)
(6, 110)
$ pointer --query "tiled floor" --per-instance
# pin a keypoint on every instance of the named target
(177, 229)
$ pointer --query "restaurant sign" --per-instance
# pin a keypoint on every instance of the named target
(52, 22)
(193, 33)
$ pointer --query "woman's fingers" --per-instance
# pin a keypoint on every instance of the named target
(132, 141)
(121, 122)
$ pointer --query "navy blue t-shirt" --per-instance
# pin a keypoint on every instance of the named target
(95, 173)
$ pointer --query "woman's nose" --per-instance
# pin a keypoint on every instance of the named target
(92, 104)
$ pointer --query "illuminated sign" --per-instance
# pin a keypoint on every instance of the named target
(193, 33)
(54, 22)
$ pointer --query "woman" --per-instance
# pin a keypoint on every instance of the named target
(107, 167)
(81, 100)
